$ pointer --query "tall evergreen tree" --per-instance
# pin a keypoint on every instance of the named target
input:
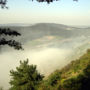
(26, 77)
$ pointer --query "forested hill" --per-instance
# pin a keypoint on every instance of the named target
(75, 76)
(50, 29)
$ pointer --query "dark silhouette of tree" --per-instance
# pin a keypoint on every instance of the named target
(4, 2)
(86, 79)
(26, 77)
(12, 43)
(49, 1)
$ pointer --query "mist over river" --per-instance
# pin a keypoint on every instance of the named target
(49, 46)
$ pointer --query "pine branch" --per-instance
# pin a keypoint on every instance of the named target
(3, 4)
(11, 43)
(7, 31)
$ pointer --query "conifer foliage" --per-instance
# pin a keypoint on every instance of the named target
(4, 32)
(26, 77)
(3, 3)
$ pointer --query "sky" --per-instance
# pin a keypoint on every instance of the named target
(66, 12)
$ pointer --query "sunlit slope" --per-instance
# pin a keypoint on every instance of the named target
(75, 76)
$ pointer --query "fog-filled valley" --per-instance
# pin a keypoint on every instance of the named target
(49, 46)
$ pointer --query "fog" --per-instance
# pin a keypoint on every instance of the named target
(48, 52)
(47, 60)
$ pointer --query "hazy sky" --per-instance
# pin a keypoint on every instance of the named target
(63, 11)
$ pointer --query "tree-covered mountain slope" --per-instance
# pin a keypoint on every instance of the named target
(75, 76)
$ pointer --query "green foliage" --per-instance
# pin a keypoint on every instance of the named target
(72, 84)
(51, 82)
(86, 79)
(26, 77)
(80, 82)
(54, 77)
(75, 76)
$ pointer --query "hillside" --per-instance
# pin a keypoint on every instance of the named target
(49, 46)
(75, 76)
(48, 29)
(52, 35)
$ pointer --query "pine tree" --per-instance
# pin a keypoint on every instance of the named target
(26, 77)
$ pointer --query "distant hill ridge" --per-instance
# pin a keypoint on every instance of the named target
(43, 29)
(50, 29)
